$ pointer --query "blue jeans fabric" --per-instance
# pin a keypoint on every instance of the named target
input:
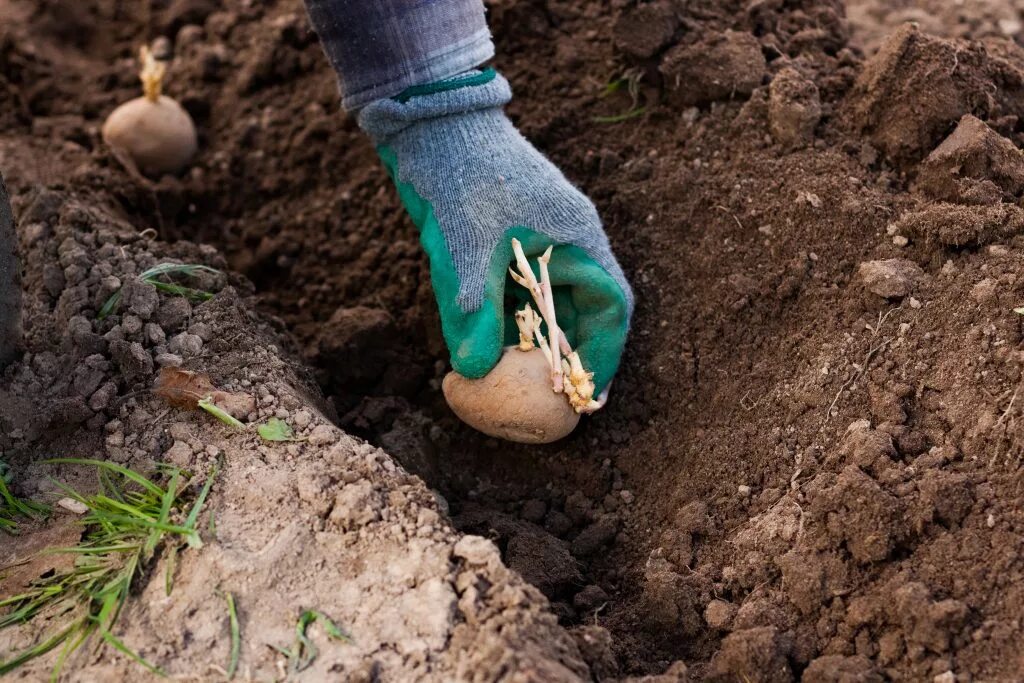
(381, 47)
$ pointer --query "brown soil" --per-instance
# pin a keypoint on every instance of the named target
(811, 463)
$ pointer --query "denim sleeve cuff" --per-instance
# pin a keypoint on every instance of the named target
(453, 60)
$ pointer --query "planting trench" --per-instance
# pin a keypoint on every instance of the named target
(810, 465)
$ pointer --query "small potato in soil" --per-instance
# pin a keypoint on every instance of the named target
(154, 130)
(157, 134)
(514, 401)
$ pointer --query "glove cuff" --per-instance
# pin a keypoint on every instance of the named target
(471, 91)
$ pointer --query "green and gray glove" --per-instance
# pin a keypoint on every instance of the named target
(471, 182)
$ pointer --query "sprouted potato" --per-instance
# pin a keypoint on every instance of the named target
(154, 130)
(514, 401)
(538, 389)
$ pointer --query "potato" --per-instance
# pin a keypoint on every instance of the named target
(514, 401)
(158, 134)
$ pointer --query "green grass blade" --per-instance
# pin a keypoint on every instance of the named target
(209, 406)
(36, 651)
(93, 550)
(123, 471)
(172, 563)
(182, 291)
(193, 514)
(188, 269)
(121, 647)
(619, 118)
(303, 654)
(236, 635)
(165, 513)
(110, 305)
(84, 631)
(149, 524)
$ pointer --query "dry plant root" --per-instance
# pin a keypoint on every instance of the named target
(567, 372)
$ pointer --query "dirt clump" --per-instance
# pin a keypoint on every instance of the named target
(794, 108)
(974, 165)
(720, 66)
(644, 30)
(891, 278)
(915, 88)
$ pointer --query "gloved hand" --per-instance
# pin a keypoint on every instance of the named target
(471, 183)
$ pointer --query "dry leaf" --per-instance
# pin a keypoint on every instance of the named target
(182, 388)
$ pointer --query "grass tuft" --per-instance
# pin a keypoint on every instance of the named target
(127, 521)
(12, 507)
(155, 275)
(302, 654)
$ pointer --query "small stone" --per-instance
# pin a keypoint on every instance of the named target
(534, 510)
(131, 324)
(595, 536)
(153, 334)
(476, 550)
(890, 279)
(900, 241)
(168, 360)
(947, 677)
(590, 598)
(132, 359)
(914, 303)
(179, 454)
(301, 419)
(627, 496)
(990, 521)
(72, 505)
(140, 298)
(101, 397)
(174, 313)
(185, 344)
(322, 435)
(719, 614)
(743, 490)
(201, 330)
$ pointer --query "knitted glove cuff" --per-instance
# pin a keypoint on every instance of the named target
(384, 119)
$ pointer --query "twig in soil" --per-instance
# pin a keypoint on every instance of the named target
(567, 372)
(860, 373)
(730, 214)
(126, 522)
(864, 365)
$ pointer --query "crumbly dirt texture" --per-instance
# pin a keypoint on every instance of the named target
(810, 466)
